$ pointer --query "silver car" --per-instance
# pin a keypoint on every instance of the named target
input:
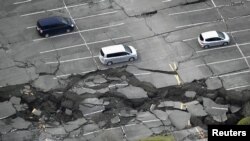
(213, 38)
(117, 53)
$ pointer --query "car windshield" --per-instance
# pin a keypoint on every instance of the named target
(63, 20)
(201, 38)
(127, 49)
(221, 35)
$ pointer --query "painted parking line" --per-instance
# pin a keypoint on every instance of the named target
(196, 24)
(191, 11)
(218, 62)
(80, 18)
(231, 74)
(141, 74)
(101, 14)
(78, 45)
(80, 31)
(238, 87)
(166, 0)
(66, 75)
(21, 2)
(55, 9)
(70, 60)
(177, 77)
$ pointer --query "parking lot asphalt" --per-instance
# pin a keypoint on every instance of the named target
(163, 32)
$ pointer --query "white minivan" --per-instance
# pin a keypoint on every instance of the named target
(117, 53)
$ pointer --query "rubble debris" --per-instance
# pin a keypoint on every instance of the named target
(99, 79)
(15, 100)
(82, 90)
(68, 112)
(180, 119)
(190, 94)
(196, 110)
(234, 108)
(72, 125)
(19, 123)
(36, 112)
(6, 109)
(132, 92)
(5, 128)
(215, 110)
(56, 131)
(213, 83)
(115, 120)
(19, 136)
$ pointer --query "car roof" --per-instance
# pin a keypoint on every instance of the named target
(113, 49)
(209, 34)
(50, 21)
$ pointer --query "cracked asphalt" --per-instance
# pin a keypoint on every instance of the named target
(59, 90)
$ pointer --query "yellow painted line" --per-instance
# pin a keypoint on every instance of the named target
(176, 76)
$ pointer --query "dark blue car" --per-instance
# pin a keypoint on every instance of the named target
(54, 25)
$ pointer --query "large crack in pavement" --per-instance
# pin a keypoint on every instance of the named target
(111, 98)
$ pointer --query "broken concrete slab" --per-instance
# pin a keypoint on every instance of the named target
(83, 90)
(22, 107)
(213, 83)
(15, 100)
(68, 112)
(86, 110)
(137, 132)
(56, 131)
(196, 110)
(166, 104)
(160, 114)
(191, 133)
(128, 113)
(90, 128)
(102, 91)
(220, 118)
(180, 119)
(19, 123)
(115, 120)
(5, 128)
(6, 109)
(72, 125)
(46, 83)
(19, 136)
(190, 94)
(234, 108)
(213, 108)
(145, 116)
(99, 79)
(92, 101)
(132, 92)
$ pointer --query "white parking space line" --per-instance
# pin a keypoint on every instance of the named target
(238, 87)
(52, 50)
(78, 45)
(30, 27)
(191, 11)
(33, 13)
(80, 18)
(80, 31)
(21, 2)
(112, 12)
(90, 43)
(231, 74)
(218, 62)
(189, 39)
(205, 50)
(76, 59)
(65, 75)
(244, 30)
(195, 24)
(54, 9)
(139, 74)
(166, 0)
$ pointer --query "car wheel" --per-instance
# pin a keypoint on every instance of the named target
(47, 35)
(68, 30)
(225, 43)
(131, 59)
(206, 46)
(109, 63)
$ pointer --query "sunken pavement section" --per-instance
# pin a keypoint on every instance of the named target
(114, 105)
